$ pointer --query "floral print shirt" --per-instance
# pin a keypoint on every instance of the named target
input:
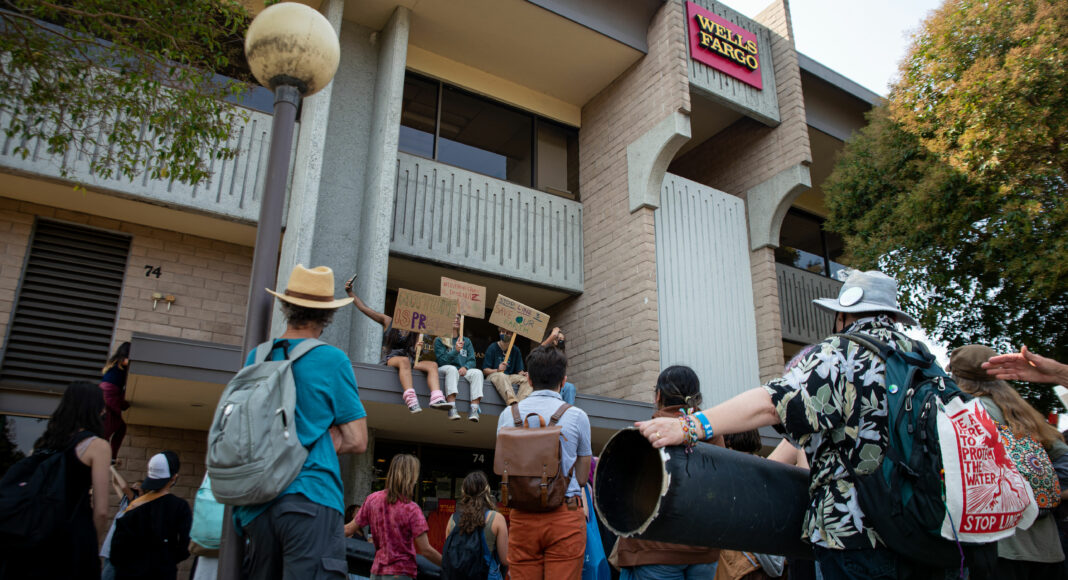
(834, 399)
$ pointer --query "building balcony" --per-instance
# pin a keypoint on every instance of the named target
(466, 220)
(232, 193)
(802, 322)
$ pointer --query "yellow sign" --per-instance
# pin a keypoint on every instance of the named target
(424, 313)
(519, 318)
(471, 297)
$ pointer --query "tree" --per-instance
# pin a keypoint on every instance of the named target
(957, 185)
(135, 85)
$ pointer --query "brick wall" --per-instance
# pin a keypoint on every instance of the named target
(142, 442)
(749, 153)
(209, 278)
(612, 330)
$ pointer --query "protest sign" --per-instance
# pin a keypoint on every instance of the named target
(470, 297)
(424, 313)
(519, 318)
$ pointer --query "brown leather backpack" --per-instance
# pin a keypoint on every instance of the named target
(528, 461)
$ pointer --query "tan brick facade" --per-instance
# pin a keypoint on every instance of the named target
(749, 153)
(208, 278)
(613, 344)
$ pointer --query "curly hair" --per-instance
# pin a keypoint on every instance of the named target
(475, 499)
(302, 316)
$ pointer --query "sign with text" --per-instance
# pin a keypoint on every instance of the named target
(470, 297)
(723, 45)
(424, 313)
(519, 318)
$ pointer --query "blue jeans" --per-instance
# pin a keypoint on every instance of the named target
(568, 393)
(663, 572)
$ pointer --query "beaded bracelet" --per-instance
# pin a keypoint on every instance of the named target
(689, 432)
(706, 424)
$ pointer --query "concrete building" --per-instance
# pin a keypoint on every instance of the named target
(647, 172)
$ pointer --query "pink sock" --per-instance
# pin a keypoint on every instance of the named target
(410, 398)
(436, 397)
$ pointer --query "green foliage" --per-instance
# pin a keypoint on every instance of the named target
(131, 85)
(957, 186)
(9, 453)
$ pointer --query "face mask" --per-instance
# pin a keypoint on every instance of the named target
(503, 336)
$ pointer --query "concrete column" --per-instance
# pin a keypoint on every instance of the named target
(357, 472)
(307, 175)
(376, 218)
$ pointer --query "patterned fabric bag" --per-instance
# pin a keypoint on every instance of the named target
(1033, 463)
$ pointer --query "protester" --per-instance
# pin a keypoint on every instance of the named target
(510, 379)
(126, 493)
(556, 340)
(836, 393)
(475, 514)
(398, 526)
(456, 358)
(74, 429)
(113, 383)
(398, 351)
(1027, 366)
(300, 530)
(739, 565)
(152, 535)
(1035, 552)
(551, 544)
(677, 392)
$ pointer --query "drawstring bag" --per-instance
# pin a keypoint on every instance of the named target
(986, 497)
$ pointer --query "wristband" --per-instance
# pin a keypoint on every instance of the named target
(706, 425)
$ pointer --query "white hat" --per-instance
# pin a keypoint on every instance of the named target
(161, 468)
(870, 291)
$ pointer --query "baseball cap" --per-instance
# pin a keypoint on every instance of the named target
(161, 468)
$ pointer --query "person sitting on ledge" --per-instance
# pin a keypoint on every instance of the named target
(504, 376)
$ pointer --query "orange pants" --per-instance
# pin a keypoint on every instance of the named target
(549, 545)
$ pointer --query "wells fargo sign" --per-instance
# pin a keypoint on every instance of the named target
(723, 45)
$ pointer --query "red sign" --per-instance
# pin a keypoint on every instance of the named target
(723, 45)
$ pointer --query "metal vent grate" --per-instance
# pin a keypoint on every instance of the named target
(66, 307)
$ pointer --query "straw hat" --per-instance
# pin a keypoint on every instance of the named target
(870, 291)
(312, 288)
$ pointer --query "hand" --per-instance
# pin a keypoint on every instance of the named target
(1026, 366)
(661, 432)
(463, 371)
(459, 344)
(501, 367)
(348, 289)
(523, 373)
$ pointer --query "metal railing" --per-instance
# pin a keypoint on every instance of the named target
(461, 218)
(802, 322)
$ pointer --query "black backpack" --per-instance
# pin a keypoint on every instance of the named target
(33, 499)
(466, 556)
(904, 499)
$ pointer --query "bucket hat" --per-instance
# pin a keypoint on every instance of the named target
(311, 288)
(870, 291)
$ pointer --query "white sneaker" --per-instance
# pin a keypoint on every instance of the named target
(475, 412)
(454, 415)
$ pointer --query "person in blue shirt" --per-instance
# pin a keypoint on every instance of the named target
(504, 376)
(300, 534)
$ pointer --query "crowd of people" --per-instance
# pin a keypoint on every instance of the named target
(830, 405)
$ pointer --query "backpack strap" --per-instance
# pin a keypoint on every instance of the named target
(869, 342)
(515, 415)
(559, 413)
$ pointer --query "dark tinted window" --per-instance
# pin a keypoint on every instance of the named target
(804, 244)
(418, 115)
(483, 136)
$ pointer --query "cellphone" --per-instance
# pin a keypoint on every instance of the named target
(351, 280)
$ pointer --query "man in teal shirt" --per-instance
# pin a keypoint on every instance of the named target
(456, 358)
(300, 533)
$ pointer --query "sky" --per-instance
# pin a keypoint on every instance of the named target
(864, 40)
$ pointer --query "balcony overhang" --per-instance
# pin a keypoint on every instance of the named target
(177, 382)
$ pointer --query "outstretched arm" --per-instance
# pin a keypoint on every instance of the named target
(1027, 366)
(749, 410)
(367, 310)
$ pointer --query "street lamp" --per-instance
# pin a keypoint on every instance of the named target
(293, 50)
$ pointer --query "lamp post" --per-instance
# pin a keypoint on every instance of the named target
(293, 50)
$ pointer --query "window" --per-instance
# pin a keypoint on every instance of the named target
(804, 244)
(446, 123)
(64, 315)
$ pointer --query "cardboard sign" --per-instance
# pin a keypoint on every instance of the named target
(424, 313)
(519, 318)
(471, 297)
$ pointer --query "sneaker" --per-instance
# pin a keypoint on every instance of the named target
(415, 408)
(439, 402)
(454, 415)
(475, 412)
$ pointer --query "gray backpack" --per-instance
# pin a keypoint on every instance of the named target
(253, 449)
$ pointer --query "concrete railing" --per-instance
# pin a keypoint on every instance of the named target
(460, 218)
(233, 191)
(802, 322)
